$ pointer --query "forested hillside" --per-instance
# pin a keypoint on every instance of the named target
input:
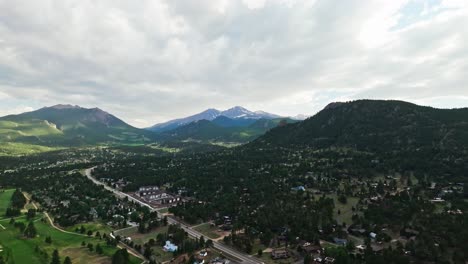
(376, 126)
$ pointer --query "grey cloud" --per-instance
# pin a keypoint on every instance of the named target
(155, 60)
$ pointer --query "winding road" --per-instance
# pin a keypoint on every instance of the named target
(244, 258)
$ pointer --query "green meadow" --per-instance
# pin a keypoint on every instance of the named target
(18, 249)
(5, 197)
(19, 149)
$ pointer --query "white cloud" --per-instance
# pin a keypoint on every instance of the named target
(16, 110)
(155, 60)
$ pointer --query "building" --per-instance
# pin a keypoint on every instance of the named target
(157, 196)
(145, 190)
(279, 253)
(169, 247)
(310, 248)
(340, 241)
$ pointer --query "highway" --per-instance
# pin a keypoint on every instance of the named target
(244, 258)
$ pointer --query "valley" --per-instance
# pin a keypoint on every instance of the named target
(305, 192)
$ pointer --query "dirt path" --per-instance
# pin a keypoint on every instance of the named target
(28, 200)
(51, 222)
(129, 249)
(49, 219)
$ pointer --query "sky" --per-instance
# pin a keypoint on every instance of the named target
(149, 61)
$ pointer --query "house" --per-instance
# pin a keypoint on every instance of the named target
(93, 213)
(357, 231)
(340, 241)
(298, 188)
(169, 247)
(219, 260)
(227, 220)
(279, 253)
(310, 248)
(201, 257)
(360, 247)
(372, 235)
(329, 260)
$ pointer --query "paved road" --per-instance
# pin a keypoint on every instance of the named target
(244, 258)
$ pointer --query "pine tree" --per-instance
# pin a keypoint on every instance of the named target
(201, 242)
(30, 231)
(67, 260)
(55, 257)
(99, 249)
(120, 257)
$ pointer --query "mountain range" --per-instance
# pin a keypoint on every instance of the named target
(366, 125)
(235, 113)
(223, 129)
(72, 125)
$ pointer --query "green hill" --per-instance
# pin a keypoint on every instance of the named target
(375, 125)
(211, 131)
(65, 125)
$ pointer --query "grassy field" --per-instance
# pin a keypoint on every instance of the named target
(346, 211)
(29, 250)
(207, 230)
(141, 239)
(18, 149)
(163, 211)
(93, 226)
(5, 197)
(266, 258)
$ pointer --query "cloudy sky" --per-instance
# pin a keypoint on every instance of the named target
(148, 61)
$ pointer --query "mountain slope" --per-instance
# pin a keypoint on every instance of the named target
(237, 113)
(210, 131)
(231, 122)
(68, 125)
(375, 125)
(208, 114)
(241, 112)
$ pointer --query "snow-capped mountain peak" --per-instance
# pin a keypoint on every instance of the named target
(237, 112)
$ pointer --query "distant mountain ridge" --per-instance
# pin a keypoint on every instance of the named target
(223, 129)
(69, 125)
(236, 112)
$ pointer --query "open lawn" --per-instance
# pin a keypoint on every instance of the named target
(208, 230)
(93, 226)
(141, 239)
(346, 211)
(266, 258)
(163, 210)
(32, 250)
(5, 198)
(18, 149)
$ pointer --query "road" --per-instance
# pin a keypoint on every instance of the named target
(244, 258)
